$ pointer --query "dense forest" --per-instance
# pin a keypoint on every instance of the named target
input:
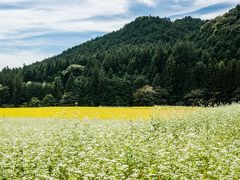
(150, 61)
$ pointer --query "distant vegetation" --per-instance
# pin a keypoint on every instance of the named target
(201, 146)
(151, 61)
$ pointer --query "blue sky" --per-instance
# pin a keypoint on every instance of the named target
(31, 30)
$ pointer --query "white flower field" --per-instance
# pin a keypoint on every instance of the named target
(203, 145)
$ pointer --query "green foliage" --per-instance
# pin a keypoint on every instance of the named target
(178, 56)
(4, 94)
(57, 88)
(195, 97)
(68, 99)
(144, 96)
(221, 36)
(35, 89)
(70, 84)
(35, 102)
(149, 96)
(74, 69)
(49, 100)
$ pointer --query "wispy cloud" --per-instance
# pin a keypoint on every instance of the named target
(31, 30)
(148, 2)
(208, 12)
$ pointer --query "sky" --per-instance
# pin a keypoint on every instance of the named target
(32, 30)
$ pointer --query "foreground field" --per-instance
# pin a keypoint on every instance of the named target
(203, 145)
(97, 113)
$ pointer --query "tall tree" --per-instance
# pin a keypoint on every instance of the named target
(58, 88)
(70, 84)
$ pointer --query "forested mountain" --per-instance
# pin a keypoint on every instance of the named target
(150, 61)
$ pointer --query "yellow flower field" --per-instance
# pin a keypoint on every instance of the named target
(100, 113)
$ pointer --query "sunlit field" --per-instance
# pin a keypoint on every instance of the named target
(203, 144)
(97, 113)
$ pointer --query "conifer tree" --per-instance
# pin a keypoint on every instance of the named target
(58, 88)
(70, 84)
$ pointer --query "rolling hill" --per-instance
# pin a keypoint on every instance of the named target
(150, 61)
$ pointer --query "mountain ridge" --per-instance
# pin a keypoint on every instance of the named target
(113, 39)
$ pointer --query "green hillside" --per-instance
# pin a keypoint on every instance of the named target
(221, 35)
(150, 61)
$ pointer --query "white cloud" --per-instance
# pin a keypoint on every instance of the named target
(210, 15)
(204, 3)
(148, 2)
(174, 7)
(59, 16)
(62, 15)
(17, 59)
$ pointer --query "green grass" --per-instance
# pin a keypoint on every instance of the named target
(205, 145)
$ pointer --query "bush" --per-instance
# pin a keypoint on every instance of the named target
(68, 99)
(49, 100)
(35, 102)
(144, 96)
